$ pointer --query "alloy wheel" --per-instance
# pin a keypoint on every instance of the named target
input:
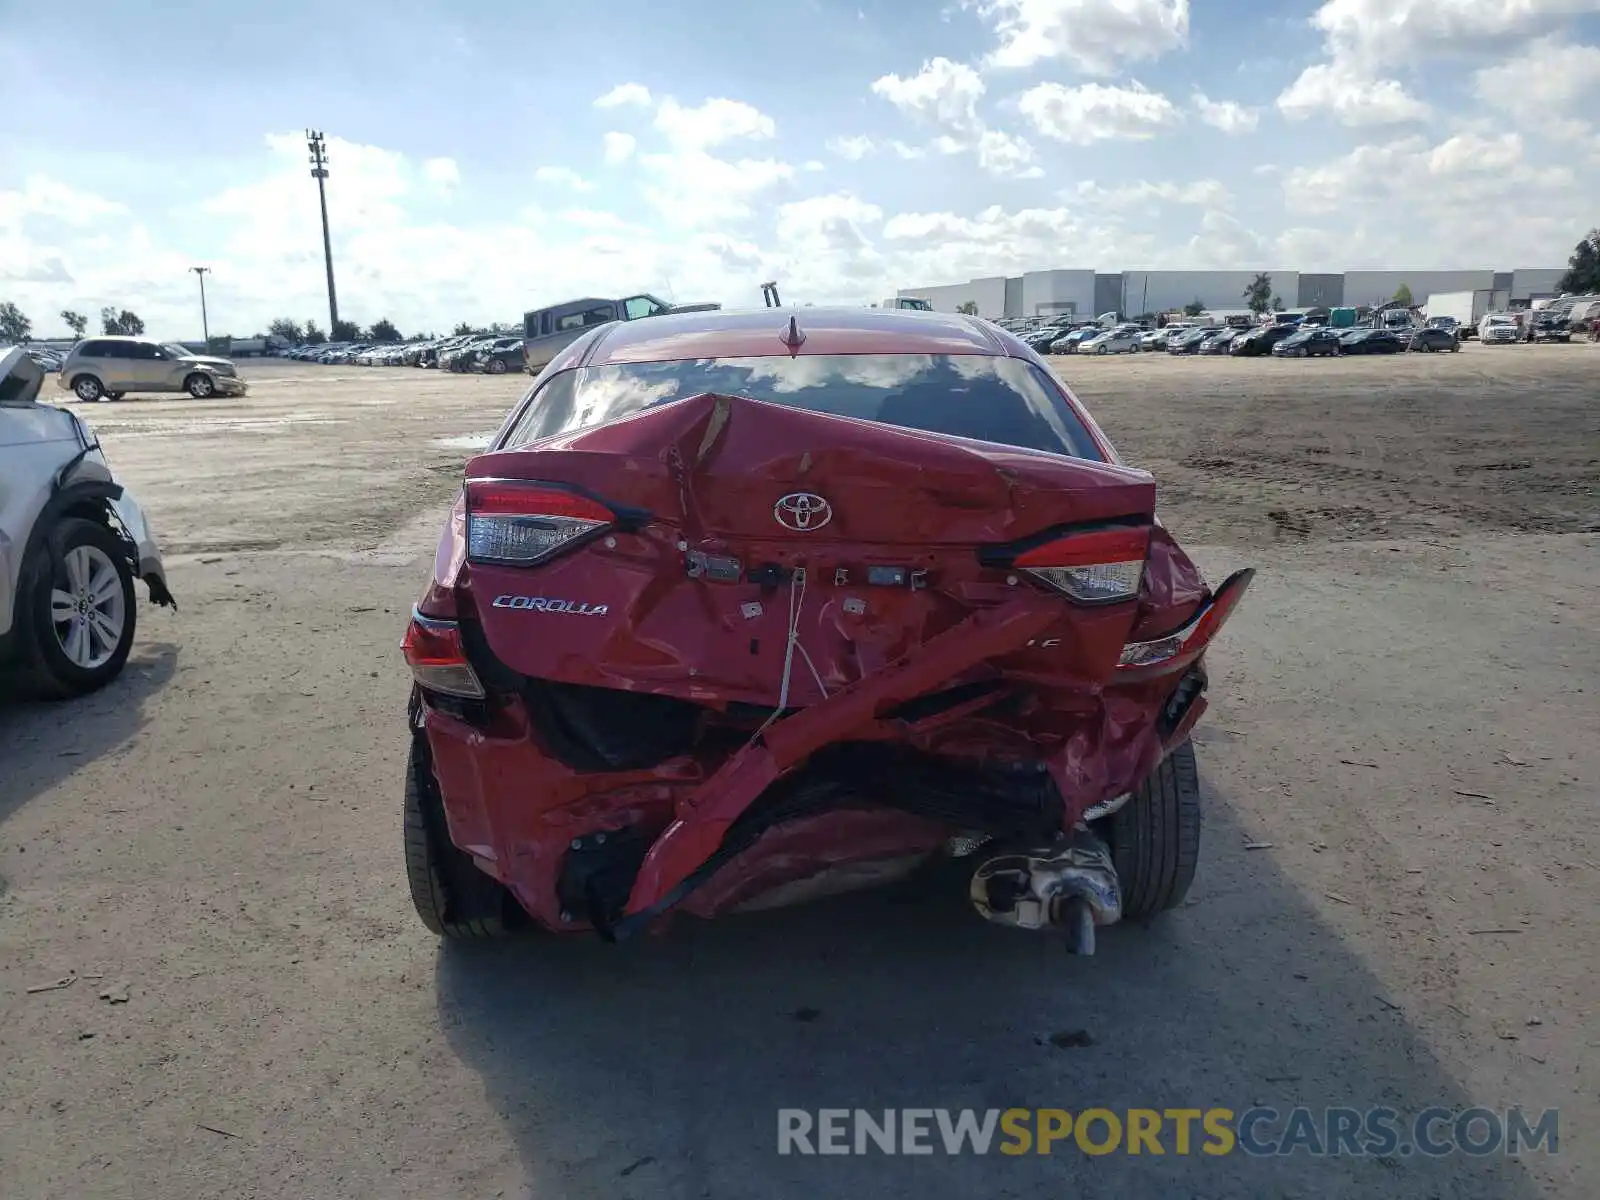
(86, 607)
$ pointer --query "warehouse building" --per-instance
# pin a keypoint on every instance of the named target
(1087, 293)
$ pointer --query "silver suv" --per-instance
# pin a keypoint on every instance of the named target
(72, 542)
(108, 368)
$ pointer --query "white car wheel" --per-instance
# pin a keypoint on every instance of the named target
(200, 386)
(87, 388)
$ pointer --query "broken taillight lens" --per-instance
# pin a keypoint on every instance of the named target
(1186, 644)
(1098, 567)
(438, 658)
(516, 523)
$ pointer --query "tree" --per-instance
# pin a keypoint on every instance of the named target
(314, 334)
(969, 307)
(1402, 295)
(1277, 303)
(462, 330)
(288, 329)
(1583, 268)
(1194, 308)
(14, 325)
(384, 331)
(126, 322)
(1258, 293)
(76, 322)
(346, 331)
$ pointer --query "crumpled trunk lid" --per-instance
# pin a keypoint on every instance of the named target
(697, 590)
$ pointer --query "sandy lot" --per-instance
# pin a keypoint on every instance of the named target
(1402, 725)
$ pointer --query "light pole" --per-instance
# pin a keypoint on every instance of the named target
(205, 321)
(319, 172)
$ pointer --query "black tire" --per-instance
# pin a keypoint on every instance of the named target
(497, 366)
(87, 388)
(115, 395)
(1155, 837)
(47, 670)
(452, 896)
(200, 386)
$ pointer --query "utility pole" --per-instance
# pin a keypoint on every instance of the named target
(205, 321)
(319, 172)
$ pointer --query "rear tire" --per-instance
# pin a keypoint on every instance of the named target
(452, 896)
(115, 395)
(1155, 837)
(497, 366)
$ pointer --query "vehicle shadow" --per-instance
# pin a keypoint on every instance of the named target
(42, 743)
(657, 1069)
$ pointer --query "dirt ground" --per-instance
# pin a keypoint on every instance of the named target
(1396, 904)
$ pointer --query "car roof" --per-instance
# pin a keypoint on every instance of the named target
(760, 332)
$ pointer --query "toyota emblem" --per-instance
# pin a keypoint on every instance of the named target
(802, 511)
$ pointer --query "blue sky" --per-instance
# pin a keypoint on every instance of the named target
(490, 160)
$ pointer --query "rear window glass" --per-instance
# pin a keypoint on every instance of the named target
(984, 397)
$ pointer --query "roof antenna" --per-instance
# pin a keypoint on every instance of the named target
(792, 337)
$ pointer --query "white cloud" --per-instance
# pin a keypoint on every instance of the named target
(1547, 76)
(813, 164)
(1226, 115)
(693, 189)
(635, 94)
(1467, 152)
(907, 152)
(1093, 35)
(565, 177)
(944, 91)
(1094, 112)
(617, 147)
(43, 196)
(1376, 32)
(851, 149)
(1002, 154)
(1337, 90)
(828, 234)
(1208, 193)
(1226, 242)
(710, 124)
(946, 94)
(442, 173)
(1464, 173)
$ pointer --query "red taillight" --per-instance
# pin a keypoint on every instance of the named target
(1098, 567)
(517, 523)
(438, 659)
(1184, 646)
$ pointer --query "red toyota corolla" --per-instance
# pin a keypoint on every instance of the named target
(746, 608)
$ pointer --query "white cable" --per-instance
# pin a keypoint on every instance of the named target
(797, 603)
(821, 687)
(798, 578)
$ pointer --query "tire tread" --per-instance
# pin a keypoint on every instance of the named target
(1155, 837)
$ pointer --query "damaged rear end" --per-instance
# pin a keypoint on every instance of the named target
(726, 654)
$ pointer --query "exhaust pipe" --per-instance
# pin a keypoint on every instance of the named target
(1070, 885)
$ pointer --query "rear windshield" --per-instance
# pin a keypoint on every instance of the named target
(984, 397)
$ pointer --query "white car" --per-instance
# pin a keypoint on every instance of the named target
(72, 542)
(1125, 339)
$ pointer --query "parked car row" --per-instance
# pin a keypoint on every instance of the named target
(1282, 340)
(492, 354)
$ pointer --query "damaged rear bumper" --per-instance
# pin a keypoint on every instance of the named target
(844, 793)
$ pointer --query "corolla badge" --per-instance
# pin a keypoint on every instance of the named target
(550, 605)
(802, 511)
